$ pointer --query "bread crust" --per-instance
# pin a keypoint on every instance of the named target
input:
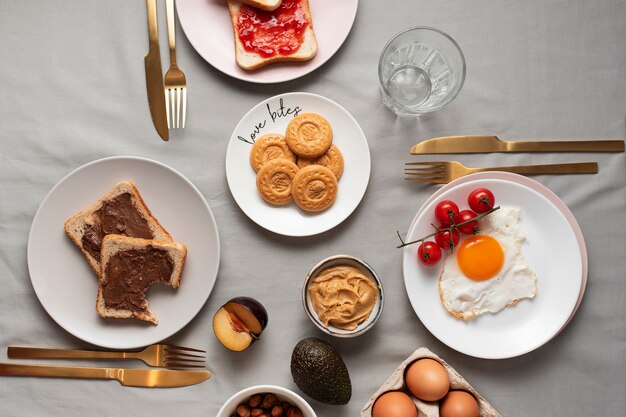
(268, 5)
(112, 244)
(251, 61)
(75, 225)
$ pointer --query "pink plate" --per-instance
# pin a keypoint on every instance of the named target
(541, 189)
(519, 330)
(208, 27)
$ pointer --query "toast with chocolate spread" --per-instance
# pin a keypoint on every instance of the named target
(282, 35)
(120, 211)
(130, 266)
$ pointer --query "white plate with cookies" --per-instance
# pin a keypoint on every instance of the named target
(298, 164)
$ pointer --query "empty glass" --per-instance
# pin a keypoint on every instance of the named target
(420, 70)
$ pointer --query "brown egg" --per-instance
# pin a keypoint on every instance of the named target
(394, 404)
(427, 379)
(458, 404)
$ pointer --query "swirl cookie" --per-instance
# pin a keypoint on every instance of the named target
(309, 135)
(274, 181)
(268, 147)
(332, 159)
(314, 188)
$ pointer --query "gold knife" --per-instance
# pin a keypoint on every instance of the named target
(483, 144)
(152, 378)
(154, 75)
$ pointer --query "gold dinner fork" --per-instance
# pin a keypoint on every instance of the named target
(165, 356)
(446, 171)
(175, 82)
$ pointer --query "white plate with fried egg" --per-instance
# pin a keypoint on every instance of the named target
(549, 258)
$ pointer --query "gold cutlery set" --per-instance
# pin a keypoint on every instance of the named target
(167, 97)
(443, 172)
(177, 358)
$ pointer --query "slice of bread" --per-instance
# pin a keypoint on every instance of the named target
(251, 60)
(81, 222)
(114, 245)
(263, 4)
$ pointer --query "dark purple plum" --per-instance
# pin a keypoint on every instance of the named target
(239, 322)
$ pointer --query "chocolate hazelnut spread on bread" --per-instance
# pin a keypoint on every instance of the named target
(130, 273)
(129, 251)
(116, 216)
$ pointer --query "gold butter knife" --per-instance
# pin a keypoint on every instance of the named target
(154, 75)
(483, 144)
(151, 378)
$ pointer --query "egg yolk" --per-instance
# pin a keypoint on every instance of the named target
(480, 257)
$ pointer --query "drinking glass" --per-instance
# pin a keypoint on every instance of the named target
(420, 70)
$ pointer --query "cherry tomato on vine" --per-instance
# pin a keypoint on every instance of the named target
(481, 200)
(446, 212)
(429, 253)
(447, 240)
(471, 227)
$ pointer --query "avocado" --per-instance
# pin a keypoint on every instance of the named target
(319, 371)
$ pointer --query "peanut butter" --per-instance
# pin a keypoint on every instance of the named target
(343, 296)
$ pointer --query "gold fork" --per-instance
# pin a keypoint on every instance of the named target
(165, 356)
(446, 171)
(175, 82)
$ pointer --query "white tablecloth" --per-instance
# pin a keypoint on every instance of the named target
(72, 90)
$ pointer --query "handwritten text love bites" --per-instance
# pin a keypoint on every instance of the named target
(274, 115)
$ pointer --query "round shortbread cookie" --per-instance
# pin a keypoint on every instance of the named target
(274, 181)
(309, 135)
(314, 188)
(332, 159)
(268, 147)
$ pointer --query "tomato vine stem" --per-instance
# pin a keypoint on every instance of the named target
(452, 227)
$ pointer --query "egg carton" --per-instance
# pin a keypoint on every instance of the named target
(424, 408)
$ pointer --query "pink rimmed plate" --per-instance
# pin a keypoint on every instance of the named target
(547, 193)
(554, 248)
(209, 29)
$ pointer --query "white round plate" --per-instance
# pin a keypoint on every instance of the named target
(544, 191)
(67, 287)
(209, 29)
(552, 251)
(272, 116)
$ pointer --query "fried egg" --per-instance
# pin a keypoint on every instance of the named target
(487, 271)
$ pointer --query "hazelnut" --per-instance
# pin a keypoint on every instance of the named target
(255, 400)
(277, 411)
(294, 412)
(256, 412)
(269, 401)
(243, 411)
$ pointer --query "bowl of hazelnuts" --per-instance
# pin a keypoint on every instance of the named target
(266, 401)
